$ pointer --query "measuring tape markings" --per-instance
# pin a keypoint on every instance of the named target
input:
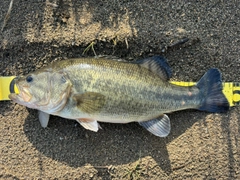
(236, 93)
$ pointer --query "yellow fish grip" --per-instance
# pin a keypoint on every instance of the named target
(230, 89)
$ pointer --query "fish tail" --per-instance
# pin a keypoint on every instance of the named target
(210, 86)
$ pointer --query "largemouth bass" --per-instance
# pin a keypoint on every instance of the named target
(100, 89)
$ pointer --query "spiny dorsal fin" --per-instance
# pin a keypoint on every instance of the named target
(89, 102)
(110, 58)
(158, 65)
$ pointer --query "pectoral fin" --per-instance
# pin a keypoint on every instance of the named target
(89, 102)
(89, 124)
(43, 118)
(159, 127)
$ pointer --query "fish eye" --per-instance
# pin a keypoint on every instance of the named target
(29, 78)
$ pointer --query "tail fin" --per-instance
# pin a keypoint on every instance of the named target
(210, 86)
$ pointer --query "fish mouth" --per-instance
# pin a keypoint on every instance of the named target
(23, 95)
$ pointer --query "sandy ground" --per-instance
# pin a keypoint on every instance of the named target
(201, 145)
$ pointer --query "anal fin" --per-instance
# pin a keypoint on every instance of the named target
(159, 127)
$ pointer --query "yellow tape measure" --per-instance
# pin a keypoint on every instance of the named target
(230, 89)
(5, 85)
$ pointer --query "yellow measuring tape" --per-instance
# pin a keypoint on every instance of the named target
(230, 89)
(5, 87)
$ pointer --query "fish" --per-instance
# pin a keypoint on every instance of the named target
(101, 89)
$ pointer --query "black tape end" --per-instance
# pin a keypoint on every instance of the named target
(11, 86)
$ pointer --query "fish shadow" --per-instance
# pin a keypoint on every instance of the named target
(115, 144)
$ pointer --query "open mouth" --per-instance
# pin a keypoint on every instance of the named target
(22, 96)
(25, 95)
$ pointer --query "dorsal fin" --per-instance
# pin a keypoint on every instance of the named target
(158, 65)
(110, 57)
